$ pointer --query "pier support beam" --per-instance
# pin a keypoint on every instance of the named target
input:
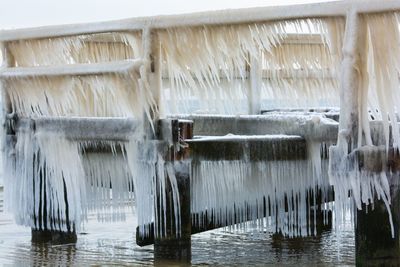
(54, 237)
(375, 244)
(173, 246)
(41, 233)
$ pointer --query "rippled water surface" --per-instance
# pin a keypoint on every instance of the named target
(114, 244)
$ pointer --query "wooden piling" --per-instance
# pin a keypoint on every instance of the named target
(176, 246)
(375, 245)
(41, 233)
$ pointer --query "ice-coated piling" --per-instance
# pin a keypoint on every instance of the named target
(377, 226)
(170, 232)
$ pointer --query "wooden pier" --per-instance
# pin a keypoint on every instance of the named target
(118, 104)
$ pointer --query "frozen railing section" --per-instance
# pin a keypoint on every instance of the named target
(75, 49)
(239, 69)
(72, 106)
(77, 165)
(58, 169)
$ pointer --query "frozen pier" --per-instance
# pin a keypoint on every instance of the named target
(208, 120)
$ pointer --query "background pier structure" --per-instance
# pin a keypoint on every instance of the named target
(199, 121)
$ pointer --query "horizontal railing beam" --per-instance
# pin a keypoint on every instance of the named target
(116, 67)
(310, 127)
(233, 16)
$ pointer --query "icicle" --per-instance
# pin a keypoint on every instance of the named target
(101, 96)
(207, 65)
(89, 48)
(235, 191)
(109, 185)
(151, 176)
(383, 65)
(43, 166)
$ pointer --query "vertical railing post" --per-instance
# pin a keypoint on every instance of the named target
(375, 243)
(255, 77)
(350, 83)
(6, 63)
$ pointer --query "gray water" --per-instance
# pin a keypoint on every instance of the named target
(105, 244)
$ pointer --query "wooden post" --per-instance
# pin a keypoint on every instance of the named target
(375, 245)
(350, 83)
(254, 98)
(8, 61)
(174, 246)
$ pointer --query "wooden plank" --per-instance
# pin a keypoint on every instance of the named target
(252, 148)
(311, 127)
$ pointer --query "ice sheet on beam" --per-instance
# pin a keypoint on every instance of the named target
(116, 129)
(122, 67)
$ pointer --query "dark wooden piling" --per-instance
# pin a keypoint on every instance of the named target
(172, 245)
(41, 233)
(176, 246)
(375, 245)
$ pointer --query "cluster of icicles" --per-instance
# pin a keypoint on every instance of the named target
(206, 68)
(52, 182)
(225, 193)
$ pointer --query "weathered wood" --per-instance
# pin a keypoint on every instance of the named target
(40, 232)
(177, 246)
(374, 243)
(175, 243)
(253, 148)
(311, 127)
(209, 223)
(53, 237)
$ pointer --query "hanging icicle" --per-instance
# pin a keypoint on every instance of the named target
(91, 48)
(207, 67)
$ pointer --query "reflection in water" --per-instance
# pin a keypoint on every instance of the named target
(114, 244)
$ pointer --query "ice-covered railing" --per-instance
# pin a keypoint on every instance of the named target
(236, 69)
(241, 55)
(370, 86)
(72, 106)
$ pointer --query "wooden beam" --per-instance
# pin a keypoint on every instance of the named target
(117, 67)
(81, 128)
(232, 16)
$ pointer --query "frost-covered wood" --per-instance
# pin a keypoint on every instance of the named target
(118, 67)
(327, 9)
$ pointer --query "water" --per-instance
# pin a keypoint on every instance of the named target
(105, 244)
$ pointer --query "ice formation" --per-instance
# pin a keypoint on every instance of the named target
(91, 48)
(377, 94)
(206, 68)
(53, 178)
(87, 96)
(229, 192)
